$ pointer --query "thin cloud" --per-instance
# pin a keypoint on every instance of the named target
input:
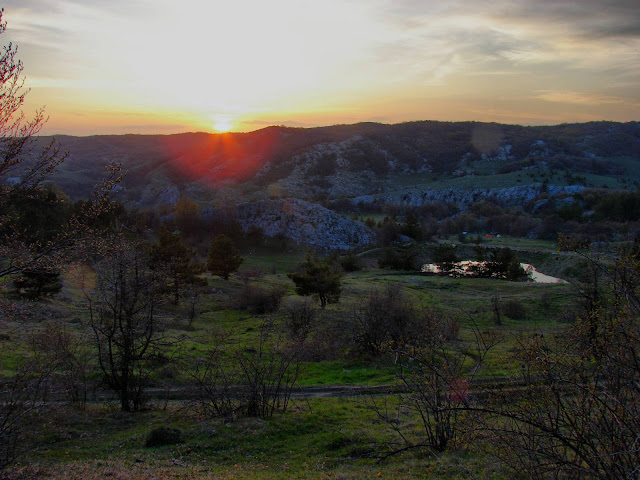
(287, 123)
(581, 98)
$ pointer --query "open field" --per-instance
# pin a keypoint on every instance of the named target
(323, 438)
(336, 438)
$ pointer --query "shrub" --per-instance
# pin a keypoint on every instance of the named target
(163, 436)
(350, 263)
(514, 309)
(300, 319)
(260, 300)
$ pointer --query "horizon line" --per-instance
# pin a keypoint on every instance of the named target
(330, 126)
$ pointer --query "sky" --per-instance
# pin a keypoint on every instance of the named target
(160, 66)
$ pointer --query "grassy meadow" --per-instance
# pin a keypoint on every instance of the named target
(323, 434)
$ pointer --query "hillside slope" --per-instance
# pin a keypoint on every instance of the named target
(405, 163)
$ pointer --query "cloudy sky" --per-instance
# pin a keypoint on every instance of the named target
(160, 66)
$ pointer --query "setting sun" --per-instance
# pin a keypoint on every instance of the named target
(382, 61)
(222, 125)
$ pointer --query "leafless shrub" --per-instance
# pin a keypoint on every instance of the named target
(249, 274)
(389, 321)
(437, 376)
(127, 330)
(70, 354)
(299, 320)
(24, 396)
(254, 382)
(577, 414)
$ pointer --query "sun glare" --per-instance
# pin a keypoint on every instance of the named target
(222, 125)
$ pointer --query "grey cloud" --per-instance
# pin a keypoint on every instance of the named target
(587, 18)
(598, 18)
(435, 52)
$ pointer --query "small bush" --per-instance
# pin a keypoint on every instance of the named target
(300, 320)
(163, 436)
(350, 263)
(514, 309)
(260, 300)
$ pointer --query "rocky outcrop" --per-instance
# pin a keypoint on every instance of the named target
(158, 193)
(303, 222)
(518, 195)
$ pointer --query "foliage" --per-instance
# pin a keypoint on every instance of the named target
(187, 215)
(444, 255)
(619, 206)
(350, 263)
(224, 257)
(514, 309)
(398, 259)
(319, 278)
(37, 214)
(260, 300)
(172, 258)
(255, 235)
(36, 283)
(503, 263)
(162, 436)
(412, 227)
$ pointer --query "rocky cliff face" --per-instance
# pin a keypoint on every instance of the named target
(303, 222)
(511, 196)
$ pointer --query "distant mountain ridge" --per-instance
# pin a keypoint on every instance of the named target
(347, 161)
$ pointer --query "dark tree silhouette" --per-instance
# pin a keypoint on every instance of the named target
(224, 257)
(25, 164)
(128, 333)
(171, 257)
(319, 278)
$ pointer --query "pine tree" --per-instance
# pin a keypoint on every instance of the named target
(320, 278)
(36, 283)
(224, 257)
(177, 260)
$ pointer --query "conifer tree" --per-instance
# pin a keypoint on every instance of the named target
(177, 261)
(318, 277)
(224, 257)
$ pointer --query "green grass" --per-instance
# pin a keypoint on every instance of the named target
(318, 438)
(516, 243)
(338, 372)
(270, 262)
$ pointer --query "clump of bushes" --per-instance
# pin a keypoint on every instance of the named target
(514, 309)
(161, 436)
(260, 300)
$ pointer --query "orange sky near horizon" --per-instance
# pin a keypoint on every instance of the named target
(143, 66)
